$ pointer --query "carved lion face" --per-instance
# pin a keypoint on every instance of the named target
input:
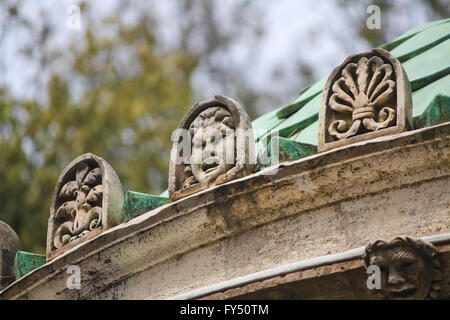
(213, 150)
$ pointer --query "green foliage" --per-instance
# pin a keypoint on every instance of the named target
(111, 91)
(125, 113)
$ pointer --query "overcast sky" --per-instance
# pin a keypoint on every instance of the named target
(319, 33)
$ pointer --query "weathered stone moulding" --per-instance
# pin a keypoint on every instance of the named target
(367, 96)
(410, 268)
(87, 200)
(220, 117)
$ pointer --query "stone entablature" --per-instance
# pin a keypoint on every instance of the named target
(344, 278)
(325, 203)
(381, 182)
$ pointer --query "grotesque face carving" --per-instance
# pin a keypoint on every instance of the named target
(409, 268)
(403, 274)
(213, 150)
(214, 144)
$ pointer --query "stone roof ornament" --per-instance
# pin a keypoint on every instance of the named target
(410, 269)
(87, 200)
(9, 245)
(367, 96)
(214, 144)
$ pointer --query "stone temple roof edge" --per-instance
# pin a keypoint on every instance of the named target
(428, 42)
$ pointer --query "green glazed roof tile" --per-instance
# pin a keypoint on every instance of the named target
(423, 97)
(305, 96)
(425, 51)
(422, 42)
(25, 262)
(289, 150)
(429, 62)
(425, 55)
(265, 124)
(424, 27)
(425, 81)
(308, 135)
(137, 203)
(302, 118)
(393, 44)
(438, 111)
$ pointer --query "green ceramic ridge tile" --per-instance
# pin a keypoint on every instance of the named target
(418, 51)
(423, 97)
(26, 262)
(433, 61)
(394, 44)
(261, 121)
(290, 130)
(136, 203)
(291, 109)
(438, 111)
(165, 193)
(309, 134)
(422, 39)
(425, 26)
(265, 124)
(289, 150)
(306, 95)
(411, 33)
(425, 81)
(302, 118)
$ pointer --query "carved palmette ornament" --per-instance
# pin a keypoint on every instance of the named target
(87, 200)
(213, 144)
(369, 95)
(409, 268)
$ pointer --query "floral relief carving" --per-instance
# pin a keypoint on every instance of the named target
(367, 96)
(363, 91)
(87, 200)
(81, 210)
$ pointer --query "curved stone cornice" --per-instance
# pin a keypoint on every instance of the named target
(322, 204)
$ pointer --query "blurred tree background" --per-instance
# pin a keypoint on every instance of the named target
(119, 86)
